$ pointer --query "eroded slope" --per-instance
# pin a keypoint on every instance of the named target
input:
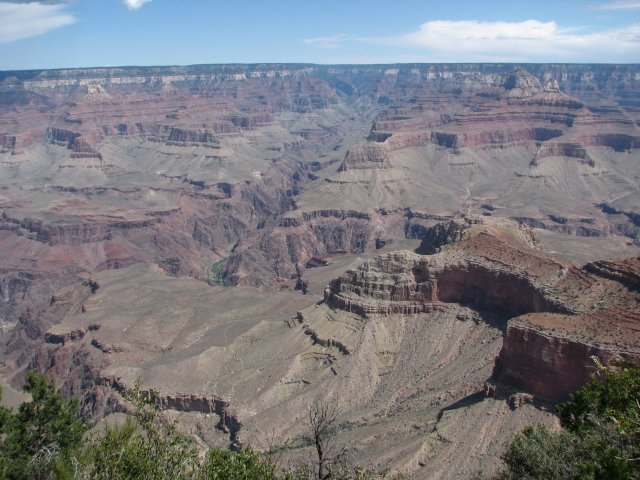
(408, 346)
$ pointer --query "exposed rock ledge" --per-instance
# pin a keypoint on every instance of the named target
(66, 337)
(560, 315)
(549, 364)
(72, 233)
(409, 283)
(184, 402)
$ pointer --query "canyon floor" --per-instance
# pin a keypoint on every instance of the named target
(437, 251)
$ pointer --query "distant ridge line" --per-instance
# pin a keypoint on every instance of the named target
(231, 68)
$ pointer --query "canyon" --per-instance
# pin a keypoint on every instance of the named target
(439, 250)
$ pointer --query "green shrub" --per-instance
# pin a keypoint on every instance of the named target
(614, 397)
(147, 446)
(45, 440)
(243, 465)
(600, 439)
(44, 432)
(214, 272)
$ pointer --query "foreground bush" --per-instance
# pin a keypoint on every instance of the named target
(45, 440)
(144, 447)
(42, 433)
(600, 437)
(244, 465)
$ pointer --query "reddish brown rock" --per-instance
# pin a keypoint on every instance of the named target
(367, 156)
(403, 282)
(242, 174)
(551, 366)
(561, 316)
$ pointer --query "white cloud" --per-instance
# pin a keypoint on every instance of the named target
(134, 4)
(618, 5)
(331, 41)
(530, 40)
(23, 20)
(526, 41)
(44, 2)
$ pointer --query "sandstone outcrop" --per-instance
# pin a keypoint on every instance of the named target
(176, 136)
(407, 283)
(228, 422)
(441, 234)
(554, 330)
(550, 365)
(570, 150)
(65, 234)
(367, 156)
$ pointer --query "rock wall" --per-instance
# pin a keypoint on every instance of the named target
(229, 422)
(569, 150)
(549, 365)
(402, 282)
(625, 272)
(441, 234)
(367, 156)
(560, 316)
(69, 234)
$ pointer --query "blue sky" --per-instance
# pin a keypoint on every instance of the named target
(85, 33)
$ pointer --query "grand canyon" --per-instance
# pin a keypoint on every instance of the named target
(438, 250)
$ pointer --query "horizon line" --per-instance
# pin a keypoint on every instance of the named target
(310, 64)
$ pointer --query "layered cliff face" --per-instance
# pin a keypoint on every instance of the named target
(487, 274)
(422, 353)
(560, 316)
(367, 156)
(105, 168)
(441, 140)
(521, 143)
(553, 355)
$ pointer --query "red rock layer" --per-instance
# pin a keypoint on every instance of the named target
(561, 316)
(550, 365)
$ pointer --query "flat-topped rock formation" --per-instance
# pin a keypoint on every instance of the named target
(560, 315)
